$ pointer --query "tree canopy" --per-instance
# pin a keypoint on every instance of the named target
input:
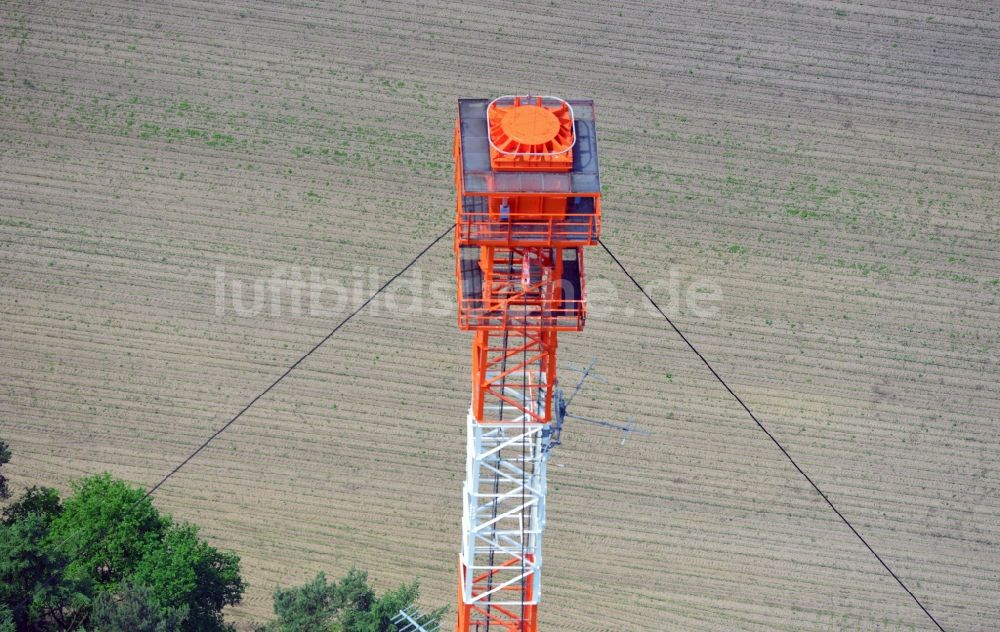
(104, 559)
(134, 608)
(43, 501)
(349, 605)
(108, 527)
(4, 459)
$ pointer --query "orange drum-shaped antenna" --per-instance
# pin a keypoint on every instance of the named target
(531, 134)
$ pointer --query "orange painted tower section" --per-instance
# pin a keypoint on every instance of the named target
(528, 204)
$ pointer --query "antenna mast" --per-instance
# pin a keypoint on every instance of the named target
(528, 202)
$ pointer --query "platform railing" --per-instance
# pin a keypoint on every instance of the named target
(514, 314)
(554, 229)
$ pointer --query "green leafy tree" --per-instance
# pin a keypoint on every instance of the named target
(108, 526)
(32, 586)
(7, 620)
(183, 571)
(134, 608)
(4, 459)
(43, 501)
(349, 605)
(378, 616)
(58, 561)
(307, 608)
(353, 593)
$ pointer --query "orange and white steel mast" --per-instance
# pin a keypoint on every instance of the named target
(528, 202)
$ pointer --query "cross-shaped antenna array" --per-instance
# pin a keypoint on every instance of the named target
(409, 619)
(626, 430)
(561, 404)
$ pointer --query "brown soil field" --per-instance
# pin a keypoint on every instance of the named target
(832, 169)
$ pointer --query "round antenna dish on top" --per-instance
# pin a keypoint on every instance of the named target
(530, 134)
(530, 125)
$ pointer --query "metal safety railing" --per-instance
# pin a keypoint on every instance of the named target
(556, 229)
(515, 314)
(577, 222)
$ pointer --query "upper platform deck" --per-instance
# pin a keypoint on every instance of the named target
(499, 203)
(477, 177)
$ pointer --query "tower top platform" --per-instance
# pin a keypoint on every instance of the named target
(527, 145)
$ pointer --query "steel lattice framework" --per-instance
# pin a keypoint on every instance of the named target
(528, 202)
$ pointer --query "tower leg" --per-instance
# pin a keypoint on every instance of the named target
(503, 519)
(464, 609)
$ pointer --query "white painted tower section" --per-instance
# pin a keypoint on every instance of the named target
(504, 512)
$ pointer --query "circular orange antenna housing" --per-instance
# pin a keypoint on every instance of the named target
(530, 134)
(530, 125)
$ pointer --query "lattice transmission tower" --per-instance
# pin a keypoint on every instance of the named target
(528, 203)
